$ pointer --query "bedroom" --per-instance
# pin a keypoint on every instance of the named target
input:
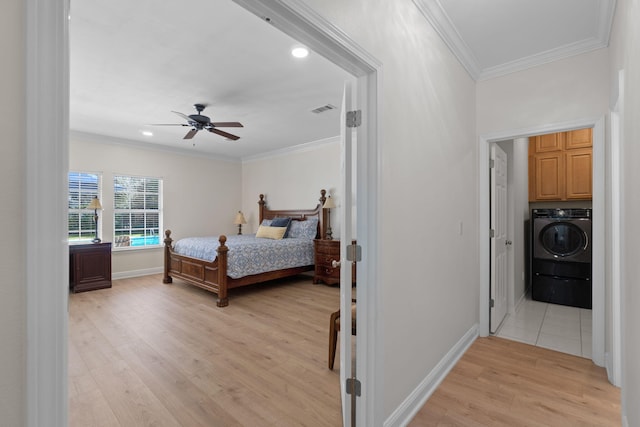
(205, 180)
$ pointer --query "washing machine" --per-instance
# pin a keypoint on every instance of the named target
(561, 256)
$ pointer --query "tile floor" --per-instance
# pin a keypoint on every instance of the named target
(557, 327)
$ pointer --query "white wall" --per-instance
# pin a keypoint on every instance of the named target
(429, 282)
(572, 89)
(200, 195)
(12, 164)
(625, 55)
(292, 180)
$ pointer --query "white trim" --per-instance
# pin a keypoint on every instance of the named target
(435, 14)
(614, 368)
(414, 402)
(111, 140)
(598, 264)
(75, 135)
(47, 256)
(562, 52)
(137, 273)
(300, 148)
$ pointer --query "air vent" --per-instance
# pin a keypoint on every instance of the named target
(323, 109)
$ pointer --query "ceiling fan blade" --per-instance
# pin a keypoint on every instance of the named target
(168, 124)
(223, 133)
(227, 124)
(190, 134)
(184, 116)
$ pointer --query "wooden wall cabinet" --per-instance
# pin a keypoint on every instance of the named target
(89, 266)
(560, 166)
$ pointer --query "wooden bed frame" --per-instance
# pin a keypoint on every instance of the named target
(212, 275)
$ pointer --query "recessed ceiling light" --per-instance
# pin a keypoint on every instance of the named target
(300, 52)
(147, 133)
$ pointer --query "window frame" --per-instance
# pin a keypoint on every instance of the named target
(119, 245)
(98, 194)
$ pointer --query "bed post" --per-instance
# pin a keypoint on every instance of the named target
(223, 299)
(167, 257)
(261, 204)
(323, 216)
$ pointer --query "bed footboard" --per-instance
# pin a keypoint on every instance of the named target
(209, 275)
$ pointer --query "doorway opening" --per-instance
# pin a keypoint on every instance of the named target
(597, 314)
(47, 157)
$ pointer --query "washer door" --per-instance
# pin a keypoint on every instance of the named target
(561, 240)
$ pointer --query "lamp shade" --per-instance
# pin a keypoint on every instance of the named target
(95, 204)
(239, 219)
(328, 204)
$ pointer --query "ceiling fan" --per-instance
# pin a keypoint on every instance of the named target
(199, 122)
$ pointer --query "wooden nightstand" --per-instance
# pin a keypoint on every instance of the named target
(327, 251)
(89, 266)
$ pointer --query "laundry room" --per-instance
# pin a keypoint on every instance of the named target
(549, 253)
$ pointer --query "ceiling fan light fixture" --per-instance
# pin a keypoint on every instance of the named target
(299, 52)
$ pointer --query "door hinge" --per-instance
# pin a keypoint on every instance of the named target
(492, 303)
(492, 164)
(354, 118)
(492, 233)
(354, 253)
(354, 387)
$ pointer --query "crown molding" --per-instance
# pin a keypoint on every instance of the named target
(435, 14)
(309, 146)
(531, 61)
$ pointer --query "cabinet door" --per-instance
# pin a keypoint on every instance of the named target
(579, 176)
(548, 143)
(550, 176)
(581, 138)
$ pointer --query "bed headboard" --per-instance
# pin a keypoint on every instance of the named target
(298, 214)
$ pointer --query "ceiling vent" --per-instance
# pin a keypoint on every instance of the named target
(323, 109)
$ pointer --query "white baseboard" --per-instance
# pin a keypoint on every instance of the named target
(136, 273)
(608, 366)
(412, 404)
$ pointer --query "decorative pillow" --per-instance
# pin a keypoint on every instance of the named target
(267, 232)
(266, 222)
(282, 222)
(304, 229)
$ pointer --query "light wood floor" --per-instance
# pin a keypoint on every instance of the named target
(147, 354)
(507, 383)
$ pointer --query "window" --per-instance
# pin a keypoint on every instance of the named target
(137, 211)
(82, 188)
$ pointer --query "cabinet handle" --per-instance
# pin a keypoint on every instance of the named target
(335, 264)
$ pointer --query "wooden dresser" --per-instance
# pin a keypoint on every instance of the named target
(89, 266)
(327, 251)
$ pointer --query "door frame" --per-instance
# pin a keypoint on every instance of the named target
(598, 204)
(46, 160)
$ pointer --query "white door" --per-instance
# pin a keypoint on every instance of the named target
(499, 242)
(347, 349)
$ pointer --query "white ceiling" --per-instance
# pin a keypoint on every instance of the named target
(133, 62)
(495, 37)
